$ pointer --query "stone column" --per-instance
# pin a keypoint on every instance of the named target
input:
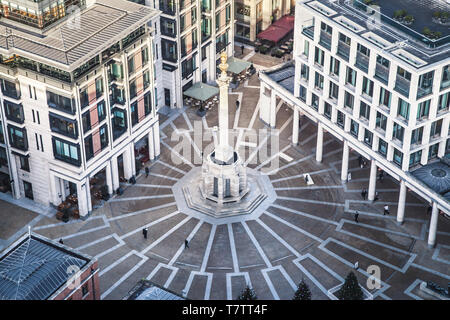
(82, 199)
(295, 127)
(62, 186)
(109, 180)
(401, 202)
(345, 153)
(433, 226)
(127, 167)
(56, 200)
(156, 139)
(151, 145)
(14, 177)
(319, 146)
(372, 180)
(273, 110)
(115, 173)
(88, 195)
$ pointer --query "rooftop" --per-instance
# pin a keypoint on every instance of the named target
(78, 38)
(35, 268)
(436, 175)
(284, 76)
(406, 42)
(146, 290)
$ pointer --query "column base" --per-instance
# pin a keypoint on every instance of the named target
(400, 222)
(86, 216)
(431, 246)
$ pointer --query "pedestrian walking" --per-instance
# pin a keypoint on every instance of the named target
(186, 244)
(356, 216)
(237, 104)
(381, 175)
(364, 194)
(242, 49)
(356, 265)
(386, 210)
(147, 171)
(349, 176)
(61, 241)
(144, 232)
(360, 161)
(306, 178)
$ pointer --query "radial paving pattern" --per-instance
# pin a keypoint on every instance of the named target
(307, 232)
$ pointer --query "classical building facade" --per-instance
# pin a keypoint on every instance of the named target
(378, 86)
(254, 16)
(192, 36)
(77, 97)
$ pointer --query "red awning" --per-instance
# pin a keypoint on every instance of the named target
(273, 33)
(278, 30)
(286, 22)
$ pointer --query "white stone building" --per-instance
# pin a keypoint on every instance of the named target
(192, 35)
(377, 85)
(77, 97)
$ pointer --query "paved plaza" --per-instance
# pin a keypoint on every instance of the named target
(307, 232)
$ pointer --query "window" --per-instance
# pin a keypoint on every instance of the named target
(368, 137)
(367, 87)
(334, 90)
(3, 157)
(103, 136)
(398, 157)
(18, 138)
(349, 100)
(169, 50)
(66, 151)
(436, 127)
(425, 84)
(433, 151)
(148, 103)
(415, 158)
(134, 114)
(14, 112)
(334, 66)
(385, 97)
(188, 66)
(423, 109)
(85, 290)
(24, 163)
(306, 48)
(350, 77)
(2, 138)
(445, 81)
(315, 101)
(133, 89)
(304, 72)
(302, 93)
(444, 102)
(340, 119)
(119, 122)
(144, 54)
(59, 102)
(101, 111)
(131, 65)
(86, 121)
(318, 81)
(354, 128)
(98, 87)
(382, 147)
(327, 110)
(398, 132)
(364, 111)
(319, 56)
(403, 109)
(416, 136)
(381, 121)
(63, 125)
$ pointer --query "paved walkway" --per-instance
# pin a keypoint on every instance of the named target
(308, 233)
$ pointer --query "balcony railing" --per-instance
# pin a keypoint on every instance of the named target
(325, 39)
(402, 86)
(343, 50)
(309, 32)
(382, 73)
(362, 62)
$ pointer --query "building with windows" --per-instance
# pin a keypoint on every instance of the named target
(77, 98)
(378, 85)
(37, 268)
(254, 16)
(192, 35)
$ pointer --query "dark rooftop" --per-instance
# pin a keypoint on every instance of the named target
(435, 175)
(284, 76)
(35, 269)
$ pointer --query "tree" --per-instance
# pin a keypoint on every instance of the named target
(247, 294)
(303, 292)
(350, 290)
